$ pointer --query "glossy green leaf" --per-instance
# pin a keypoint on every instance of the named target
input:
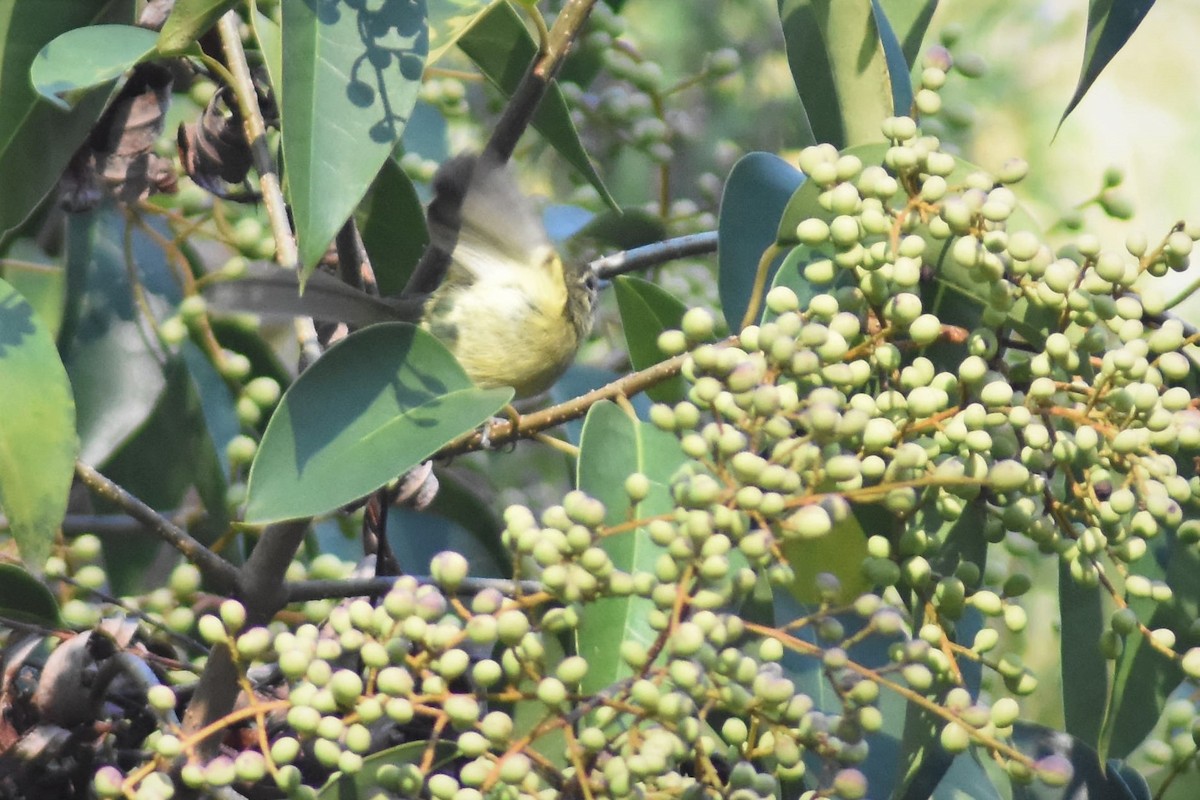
(25, 598)
(270, 43)
(416, 538)
(376, 404)
(392, 225)
(612, 447)
(791, 275)
(427, 133)
(1110, 24)
(40, 279)
(1083, 621)
(170, 453)
(529, 714)
(37, 139)
(966, 780)
(909, 20)
(897, 64)
(350, 79)
(37, 429)
(840, 553)
(363, 784)
(112, 355)
(500, 45)
(840, 68)
(1144, 679)
(646, 311)
(449, 19)
(217, 404)
(756, 193)
(85, 58)
(188, 21)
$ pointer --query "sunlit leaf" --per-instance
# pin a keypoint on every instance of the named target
(85, 58)
(756, 193)
(37, 429)
(37, 138)
(350, 79)
(188, 21)
(613, 446)
(375, 405)
(909, 19)
(840, 68)
(646, 311)
(1110, 24)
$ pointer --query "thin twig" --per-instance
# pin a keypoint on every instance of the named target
(502, 432)
(651, 255)
(301, 591)
(256, 137)
(223, 575)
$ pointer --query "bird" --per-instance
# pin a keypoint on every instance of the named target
(490, 285)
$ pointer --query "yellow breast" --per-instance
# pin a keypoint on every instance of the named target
(507, 324)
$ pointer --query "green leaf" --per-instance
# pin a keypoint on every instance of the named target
(188, 21)
(350, 79)
(756, 193)
(416, 538)
(529, 713)
(218, 411)
(1144, 678)
(37, 429)
(840, 68)
(613, 446)
(270, 43)
(37, 139)
(966, 780)
(23, 597)
(840, 553)
(392, 224)
(646, 311)
(500, 45)
(1083, 621)
(376, 404)
(40, 279)
(791, 275)
(909, 20)
(897, 64)
(363, 784)
(449, 19)
(114, 359)
(84, 58)
(1110, 24)
(171, 452)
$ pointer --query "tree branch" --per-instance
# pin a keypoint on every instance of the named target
(217, 570)
(502, 432)
(651, 255)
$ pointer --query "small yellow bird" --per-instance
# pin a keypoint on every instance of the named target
(509, 308)
(490, 286)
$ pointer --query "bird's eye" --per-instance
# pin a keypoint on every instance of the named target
(591, 281)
